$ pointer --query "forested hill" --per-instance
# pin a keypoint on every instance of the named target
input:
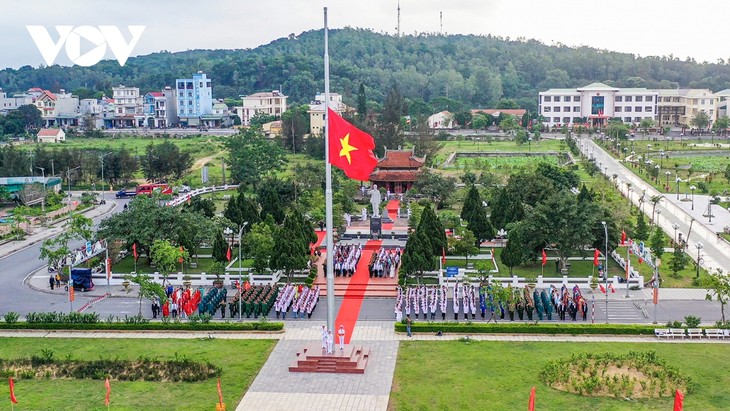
(474, 70)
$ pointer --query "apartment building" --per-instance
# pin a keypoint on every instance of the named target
(194, 98)
(316, 111)
(272, 103)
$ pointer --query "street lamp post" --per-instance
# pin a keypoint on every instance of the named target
(529, 142)
(666, 186)
(675, 226)
(678, 180)
(661, 158)
(101, 157)
(693, 188)
(605, 268)
(699, 247)
(240, 269)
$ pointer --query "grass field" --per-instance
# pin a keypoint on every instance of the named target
(239, 359)
(456, 375)
(500, 146)
(126, 265)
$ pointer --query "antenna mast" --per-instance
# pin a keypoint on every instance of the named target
(398, 27)
(441, 21)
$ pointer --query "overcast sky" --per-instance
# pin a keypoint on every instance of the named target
(643, 27)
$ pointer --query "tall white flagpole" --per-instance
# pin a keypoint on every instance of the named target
(328, 188)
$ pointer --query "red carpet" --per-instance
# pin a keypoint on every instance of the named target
(320, 238)
(391, 211)
(350, 308)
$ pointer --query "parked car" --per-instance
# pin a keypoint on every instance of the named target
(124, 193)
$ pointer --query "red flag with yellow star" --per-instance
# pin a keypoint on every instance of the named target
(350, 149)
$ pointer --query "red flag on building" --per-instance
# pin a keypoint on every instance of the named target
(623, 237)
(108, 391)
(544, 257)
(134, 251)
(220, 393)
(182, 250)
(12, 391)
(228, 254)
(678, 400)
(350, 149)
(596, 255)
(531, 404)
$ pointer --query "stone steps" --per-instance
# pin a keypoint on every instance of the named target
(350, 360)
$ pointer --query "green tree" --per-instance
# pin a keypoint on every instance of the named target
(271, 204)
(165, 256)
(259, 245)
(617, 129)
(463, 243)
(294, 124)
(433, 231)
(646, 124)
(165, 161)
(514, 253)
(722, 124)
(424, 142)
(390, 133)
(201, 205)
(657, 242)
(148, 289)
(252, 157)
(700, 120)
(642, 229)
(472, 204)
(291, 248)
(435, 186)
(505, 209)
(718, 287)
(220, 248)
(678, 262)
(417, 257)
(463, 118)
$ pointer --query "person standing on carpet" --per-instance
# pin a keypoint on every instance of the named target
(323, 333)
(330, 342)
(341, 333)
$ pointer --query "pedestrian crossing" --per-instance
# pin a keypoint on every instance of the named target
(622, 311)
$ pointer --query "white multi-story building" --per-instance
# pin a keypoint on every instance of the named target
(677, 107)
(128, 106)
(8, 103)
(595, 103)
(271, 103)
(316, 111)
(194, 98)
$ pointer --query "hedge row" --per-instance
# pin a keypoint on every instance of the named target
(526, 328)
(152, 326)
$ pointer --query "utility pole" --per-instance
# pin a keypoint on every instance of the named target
(397, 28)
(43, 199)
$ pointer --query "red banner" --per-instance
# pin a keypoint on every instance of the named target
(12, 391)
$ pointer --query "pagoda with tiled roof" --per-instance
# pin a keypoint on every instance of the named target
(397, 170)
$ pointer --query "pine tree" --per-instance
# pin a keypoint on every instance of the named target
(472, 203)
(271, 205)
(481, 227)
(417, 257)
(642, 230)
(232, 210)
(433, 231)
(362, 104)
(220, 248)
(249, 211)
(657, 242)
(679, 261)
(511, 255)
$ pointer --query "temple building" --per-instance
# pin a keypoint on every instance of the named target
(397, 170)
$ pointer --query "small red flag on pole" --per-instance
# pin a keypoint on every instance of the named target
(228, 254)
(678, 400)
(220, 393)
(623, 237)
(134, 251)
(596, 257)
(108, 391)
(544, 257)
(531, 404)
(180, 260)
(443, 256)
(12, 391)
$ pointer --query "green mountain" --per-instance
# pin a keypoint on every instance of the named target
(477, 71)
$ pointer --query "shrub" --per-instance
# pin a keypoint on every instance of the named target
(11, 317)
(151, 326)
(527, 328)
(692, 321)
(674, 324)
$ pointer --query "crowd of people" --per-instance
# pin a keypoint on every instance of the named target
(384, 262)
(301, 299)
(492, 302)
(345, 259)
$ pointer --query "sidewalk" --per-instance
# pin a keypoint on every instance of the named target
(44, 233)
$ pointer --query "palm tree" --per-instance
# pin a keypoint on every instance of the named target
(654, 201)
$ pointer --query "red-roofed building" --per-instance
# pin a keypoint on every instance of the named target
(51, 135)
(397, 170)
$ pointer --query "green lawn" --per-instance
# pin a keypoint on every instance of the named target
(455, 375)
(685, 278)
(578, 268)
(239, 359)
(499, 146)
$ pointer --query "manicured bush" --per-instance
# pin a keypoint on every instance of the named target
(152, 326)
(11, 317)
